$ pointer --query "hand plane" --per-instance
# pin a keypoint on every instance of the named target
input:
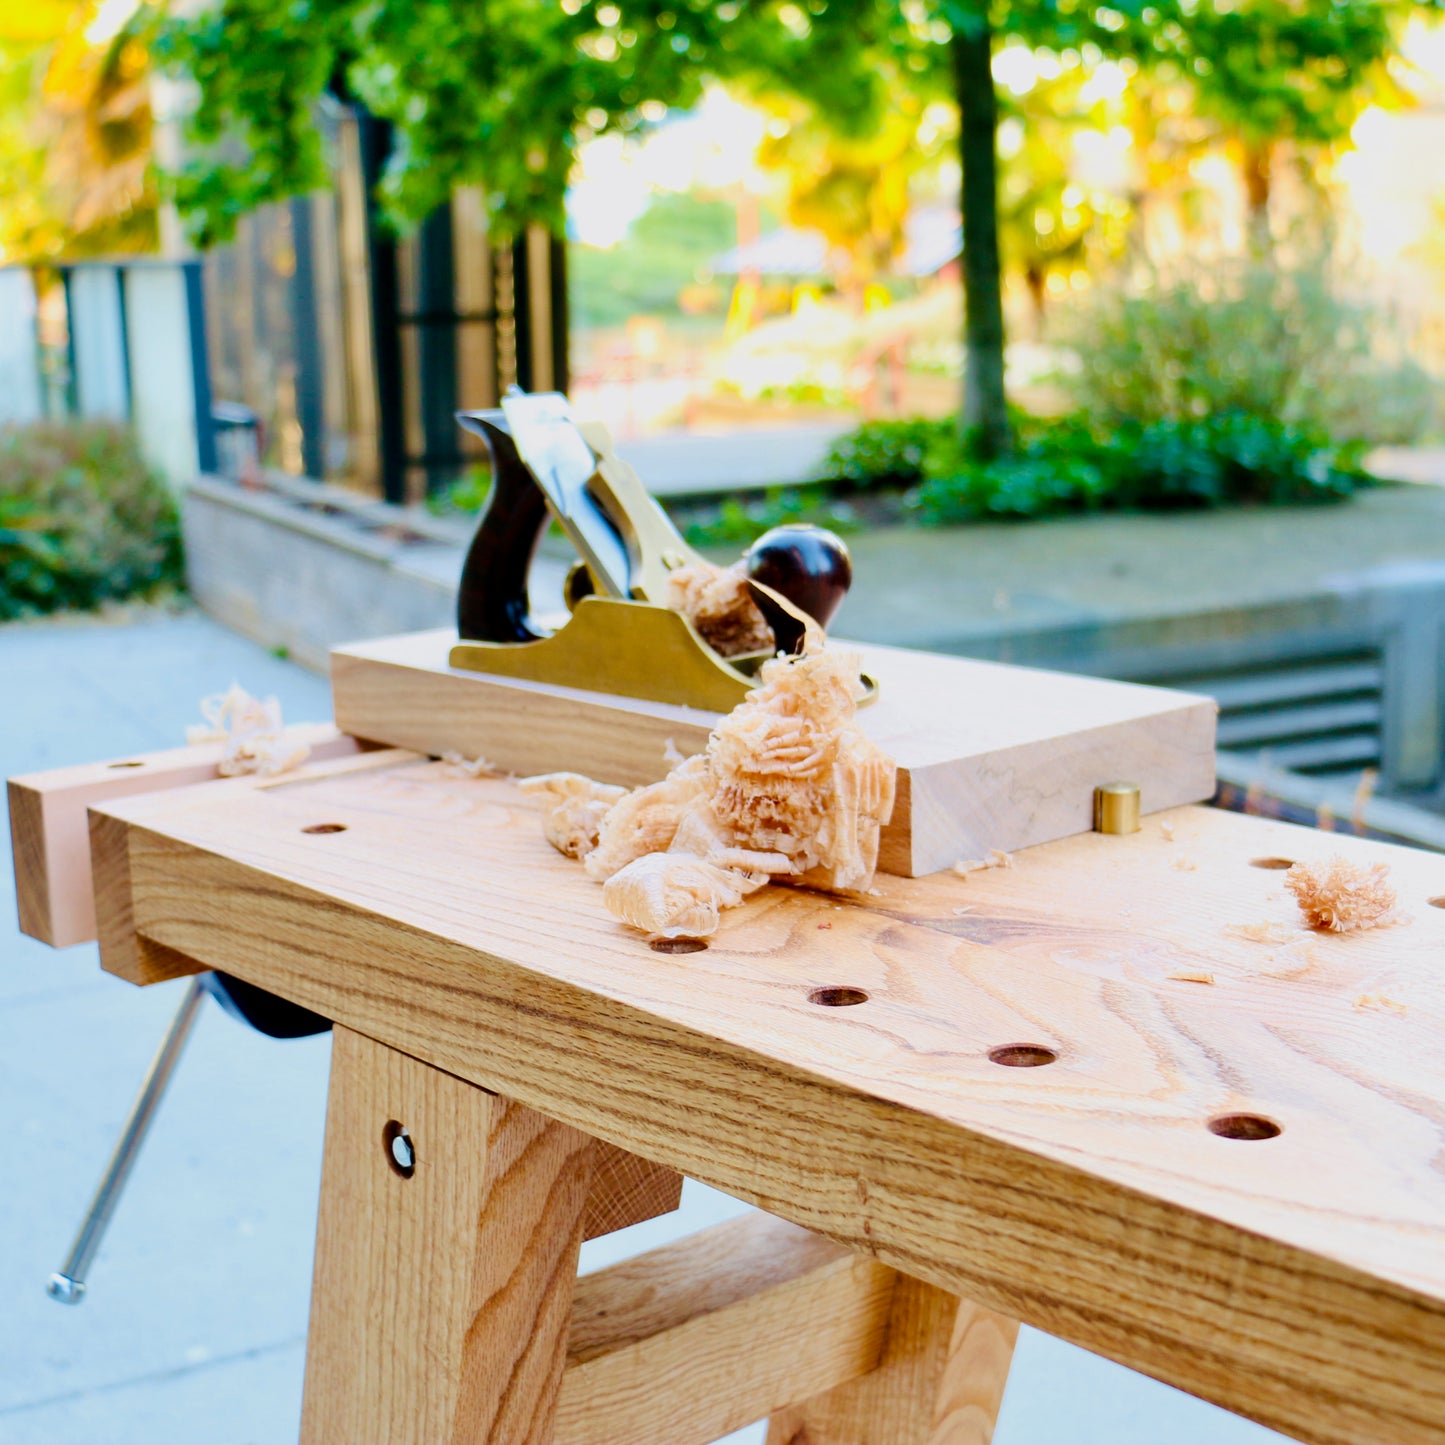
(621, 637)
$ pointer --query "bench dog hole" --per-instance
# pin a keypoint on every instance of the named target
(837, 996)
(325, 828)
(1278, 863)
(1244, 1126)
(1022, 1056)
(678, 945)
(125, 765)
(400, 1151)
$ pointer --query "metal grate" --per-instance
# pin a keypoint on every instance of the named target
(1323, 715)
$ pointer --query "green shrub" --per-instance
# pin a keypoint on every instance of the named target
(1251, 337)
(1074, 466)
(82, 520)
(733, 521)
(884, 453)
(464, 497)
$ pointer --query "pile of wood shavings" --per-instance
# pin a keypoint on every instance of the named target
(1338, 896)
(251, 730)
(717, 602)
(788, 789)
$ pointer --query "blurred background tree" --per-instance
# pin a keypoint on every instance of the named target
(75, 130)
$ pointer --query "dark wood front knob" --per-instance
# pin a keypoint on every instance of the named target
(809, 565)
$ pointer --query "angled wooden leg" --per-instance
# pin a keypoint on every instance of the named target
(445, 1259)
(940, 1380)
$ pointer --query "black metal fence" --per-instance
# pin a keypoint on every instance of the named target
(355, 346)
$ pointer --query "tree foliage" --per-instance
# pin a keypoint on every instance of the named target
(75, 134)
(496, 95)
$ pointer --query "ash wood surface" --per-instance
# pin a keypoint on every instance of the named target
(48, 829)
(940, 1380)
(697, 1339)
(1298, 1279)
(1017, 771)
(627, 1190)
(106, 866)
(440, 1303)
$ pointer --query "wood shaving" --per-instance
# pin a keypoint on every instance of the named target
(997, 858)
(1380, 1001)
(789, 787)
(646, 821)
(1260, 932)
(470, 767)
(1364, 791)
(1192, 975)
(962, 911)
(671, 754)
(573, 809)
(1184, 865)
(254, 739)
(673, 895)
(1338, 896)
(717, 602)
(1166, 831)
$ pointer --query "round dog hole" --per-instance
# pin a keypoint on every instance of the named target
(325, 828)
(1022, 1056)
(400, 1151)
(837, 996)
(1244, 1126)
(678, 945)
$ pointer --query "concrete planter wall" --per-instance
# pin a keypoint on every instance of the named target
(303, 566)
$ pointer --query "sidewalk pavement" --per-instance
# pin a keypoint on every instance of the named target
(193, 1331)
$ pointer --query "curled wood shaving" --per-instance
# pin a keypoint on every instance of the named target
(717, 602)
(646, 821)
(573, 809)
(1338, 896)
(997, 858)
(1380, 1001)
(1260, 932)
(251, 731)
(470, 767)
(1184, 865)
(674, 895)
(1364, 791)
(1166, 831)
(1192, 975)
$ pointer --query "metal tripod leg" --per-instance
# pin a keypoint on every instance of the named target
(68, 1283)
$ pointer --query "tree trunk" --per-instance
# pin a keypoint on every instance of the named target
(1258, 182)
(985, 411)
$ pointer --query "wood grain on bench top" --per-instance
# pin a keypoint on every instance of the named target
(1298, 1279)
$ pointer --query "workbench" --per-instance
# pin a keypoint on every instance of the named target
(1115, 1091)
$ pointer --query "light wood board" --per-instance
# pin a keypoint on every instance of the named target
(989, 756)
(1299, 1279)
(47, 821)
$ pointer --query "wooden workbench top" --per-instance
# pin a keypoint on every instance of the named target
(1298, 1279)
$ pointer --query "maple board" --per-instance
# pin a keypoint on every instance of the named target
(989, 756)
(1121, 1194)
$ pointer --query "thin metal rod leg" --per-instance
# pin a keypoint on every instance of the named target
(67, 1284)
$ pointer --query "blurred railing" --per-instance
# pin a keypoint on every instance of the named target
(123, 340)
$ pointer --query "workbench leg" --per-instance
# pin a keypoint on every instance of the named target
(940, 1381)
(446, 1252)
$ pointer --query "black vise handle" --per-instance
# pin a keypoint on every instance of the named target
(492, 603)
